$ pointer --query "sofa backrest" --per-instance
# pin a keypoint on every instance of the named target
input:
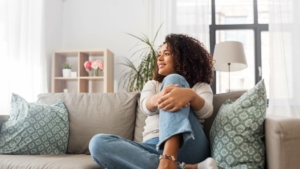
(3, 118)
(113, 113)
(218, 100)
(94, 113)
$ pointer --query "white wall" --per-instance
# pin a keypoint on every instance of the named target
(53, 30)
(94, 24)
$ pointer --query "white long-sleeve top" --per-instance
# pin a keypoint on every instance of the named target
(152, 87)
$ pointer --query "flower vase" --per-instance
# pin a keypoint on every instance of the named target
(95, 72)
(90, 73)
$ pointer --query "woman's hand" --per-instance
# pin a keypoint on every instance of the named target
(168, 89)
(152, 102)
(174, 98)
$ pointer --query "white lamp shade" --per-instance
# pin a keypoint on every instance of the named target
(229, 52)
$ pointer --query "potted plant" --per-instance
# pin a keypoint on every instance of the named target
(66, 70)
(136, 77)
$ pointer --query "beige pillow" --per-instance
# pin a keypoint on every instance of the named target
(93, 113)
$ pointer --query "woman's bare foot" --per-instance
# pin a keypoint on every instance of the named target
(167, 164)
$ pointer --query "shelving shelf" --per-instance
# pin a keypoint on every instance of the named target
(83, 83)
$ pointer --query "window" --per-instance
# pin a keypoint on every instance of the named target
(245, 21)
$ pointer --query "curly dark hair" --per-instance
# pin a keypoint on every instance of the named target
(191, 59)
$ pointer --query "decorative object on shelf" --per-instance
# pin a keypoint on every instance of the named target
(93, 66)
(73, 74)
(138, 76)
(66, 70)
(229, 57)
(88, 66)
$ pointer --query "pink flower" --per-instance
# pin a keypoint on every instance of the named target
(95, 64)
(88, 64)
(101, 65)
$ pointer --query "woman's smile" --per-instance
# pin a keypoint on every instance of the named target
(161, 65)
(165, 61)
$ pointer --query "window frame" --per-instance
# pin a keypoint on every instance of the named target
(257, 29)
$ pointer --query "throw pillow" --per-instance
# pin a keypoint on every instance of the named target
(237, 135)
(35, 128)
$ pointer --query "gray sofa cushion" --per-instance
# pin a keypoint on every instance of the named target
(69, 161)
(93, 113)
(3, 118)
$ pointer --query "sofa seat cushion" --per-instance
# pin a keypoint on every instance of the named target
(67, 161)
(94, 113)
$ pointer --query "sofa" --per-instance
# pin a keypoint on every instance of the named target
(119, 113)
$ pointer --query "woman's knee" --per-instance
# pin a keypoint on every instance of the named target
(98, 143)
(175, 79)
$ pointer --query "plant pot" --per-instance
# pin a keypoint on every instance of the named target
(66, 72)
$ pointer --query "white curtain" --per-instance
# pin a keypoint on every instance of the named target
(22, 52)
(284, 99)
(191, 17)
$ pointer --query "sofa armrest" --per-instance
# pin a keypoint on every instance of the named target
(3, 118)
(282, 142)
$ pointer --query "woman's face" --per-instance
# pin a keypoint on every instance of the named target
(165, 61)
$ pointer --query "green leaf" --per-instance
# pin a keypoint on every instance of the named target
(157, 33)
(136, 77)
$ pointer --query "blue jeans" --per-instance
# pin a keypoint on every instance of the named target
(111, 151)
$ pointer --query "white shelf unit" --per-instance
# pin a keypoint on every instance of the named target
(83, 82)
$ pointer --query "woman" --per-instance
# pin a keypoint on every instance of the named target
(175, 101)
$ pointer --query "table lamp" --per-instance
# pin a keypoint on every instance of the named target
(229, 56)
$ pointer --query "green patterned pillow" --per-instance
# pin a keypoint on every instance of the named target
(35, 128)
(237, 133)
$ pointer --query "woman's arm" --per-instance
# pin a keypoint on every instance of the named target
(149, 90)
(179, 98)
(152, 102)
(150, 96)
(204, 91)
(197, 102)
(200, 101)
